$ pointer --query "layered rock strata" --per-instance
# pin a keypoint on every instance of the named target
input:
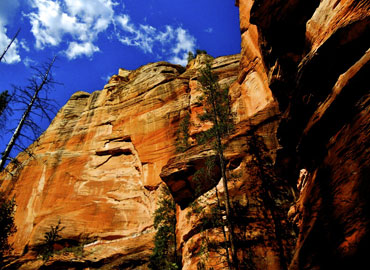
(96, 168)
(300, 98)
(317, 53)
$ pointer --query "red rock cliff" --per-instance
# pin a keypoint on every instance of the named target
(300, 97)
(96, 168)
(317, 56)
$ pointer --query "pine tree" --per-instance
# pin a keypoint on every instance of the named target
(46, 250)
(4, 100)
(190, 56)
(182, 134)
(7, 226)
(164, 254)
(211, 219)
(217, 111)
(5, 110)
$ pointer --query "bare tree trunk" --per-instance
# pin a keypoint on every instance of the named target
(17, 131)
(10, 44)
(229, 264)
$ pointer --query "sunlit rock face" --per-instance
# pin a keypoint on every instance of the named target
(262, 199)
(298, 156)
(96, 168)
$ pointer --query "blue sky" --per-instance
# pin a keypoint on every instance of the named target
(93, 38)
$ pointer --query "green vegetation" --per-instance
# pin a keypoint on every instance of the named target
(217, 111)
(46, 250)
(7, 226)
(218, 216)
(182, 135)
(198, 52)
(191, 55)
(212, 252)
(164, 254)
(4, 100)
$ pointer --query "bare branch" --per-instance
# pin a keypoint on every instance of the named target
(35, 102)
(10, 44)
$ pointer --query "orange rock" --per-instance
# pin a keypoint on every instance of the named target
(96, 168)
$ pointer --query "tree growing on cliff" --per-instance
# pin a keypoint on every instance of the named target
(182, 134)
(46, 250)
(33, 101)
(217, 111)
(214, 247)
(164, 254)
(190, 56)
(7, 226)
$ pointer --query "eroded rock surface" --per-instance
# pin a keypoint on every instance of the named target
(299, 92)
(96, 168)
(321, 52)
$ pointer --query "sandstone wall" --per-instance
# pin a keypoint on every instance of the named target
(96, 168)
(300, 96)
(317, 53)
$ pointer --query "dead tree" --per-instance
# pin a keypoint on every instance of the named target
(33, 101)
(10, 44)
(5, 96)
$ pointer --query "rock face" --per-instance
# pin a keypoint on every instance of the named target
(96, 168)
(299, 93)
(317, 53)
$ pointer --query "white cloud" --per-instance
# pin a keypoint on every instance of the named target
(78, 49)
(29, 62)
(8, 9)
(142, 36)
(175, 43)
(208, 30)
(76, 25)
(107, 77)
(81, 21)
(24, 45)
(12, 56)
(185, 43)
(7, 12)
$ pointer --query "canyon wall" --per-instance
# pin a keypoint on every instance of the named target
(316, 54)
(298, 156)
(96, 169)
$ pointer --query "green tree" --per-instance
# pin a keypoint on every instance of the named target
(198, 52)
(164, 254)
(5, 110)
(217, 111)
(182, 134)
(190, 56)
(7, 226)
(46, 250)
(4, 100)
(211, 253)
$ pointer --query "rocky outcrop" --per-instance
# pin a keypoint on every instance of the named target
(96, 169)
(261, 197)
(300, 100)
(318, 55)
